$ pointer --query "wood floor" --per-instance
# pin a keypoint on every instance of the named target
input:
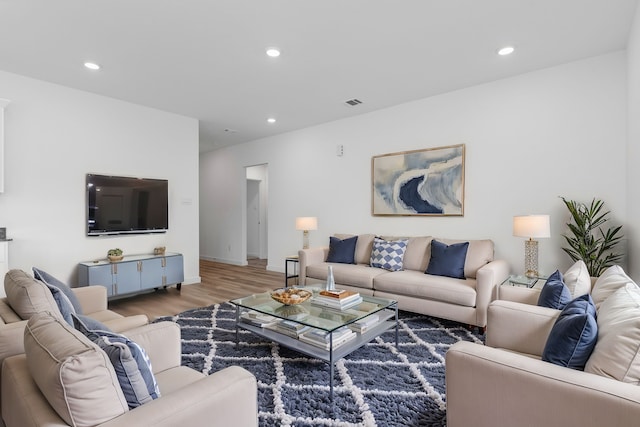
(219, 283)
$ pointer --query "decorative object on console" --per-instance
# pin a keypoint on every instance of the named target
(531, 226)
(160, 250)
(115, 254)
(586, 221)
(419, 182)
(306, 223)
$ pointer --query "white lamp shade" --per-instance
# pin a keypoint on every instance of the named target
(531, 226)
(307, 223)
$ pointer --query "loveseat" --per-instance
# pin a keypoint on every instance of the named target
(27, 296)
(508, 382)
(464, 299)
(64, 378)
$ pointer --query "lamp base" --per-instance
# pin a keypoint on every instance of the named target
(531, 258)
(305, 239)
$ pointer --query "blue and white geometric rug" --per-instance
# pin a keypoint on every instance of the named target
(377, 385)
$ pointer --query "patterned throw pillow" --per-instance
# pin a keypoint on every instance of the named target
(388, 254)
(130, 362)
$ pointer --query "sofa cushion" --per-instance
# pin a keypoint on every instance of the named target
(418, 253)
(342, 250)
(612, 279)
(554, 293)
(28, 296)
(573, 335)
(479, 253)
(360, 276)
(577, 279)
(130, 361)
(73, 374)
(447, 260)
(364, 245)
(388, 255)
(54, 283)
(617, 352)
(419, 285)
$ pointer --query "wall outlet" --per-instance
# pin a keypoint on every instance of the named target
(340, 150)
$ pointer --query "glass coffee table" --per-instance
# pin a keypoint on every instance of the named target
(324, 333)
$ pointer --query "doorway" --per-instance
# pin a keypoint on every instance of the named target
(256, 215)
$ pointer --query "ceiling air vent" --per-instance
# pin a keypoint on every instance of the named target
(353, 102)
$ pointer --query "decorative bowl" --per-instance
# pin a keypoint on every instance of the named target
(114, 258)
(291, 296)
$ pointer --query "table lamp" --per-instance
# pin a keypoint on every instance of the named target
(531, 226)
(306, 223)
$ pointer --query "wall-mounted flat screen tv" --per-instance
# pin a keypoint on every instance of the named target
(126, 205)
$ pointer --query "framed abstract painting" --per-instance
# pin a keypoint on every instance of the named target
(419, 182)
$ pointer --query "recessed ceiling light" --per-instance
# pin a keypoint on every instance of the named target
(273, 52)
(507, 50)
(271, 120)
(92, 65)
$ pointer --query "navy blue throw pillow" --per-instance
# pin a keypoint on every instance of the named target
(342, 251)
(447, 260)
(555, 293)
(574, 334)
(53, 283)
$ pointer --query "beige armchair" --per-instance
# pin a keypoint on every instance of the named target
(64, 377)
(505, 382)
(30, 296)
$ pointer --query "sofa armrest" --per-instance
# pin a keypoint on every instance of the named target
(161, 341)
(519, 327)
(519, 294)
(11, 339)
(492, 387)
(488, 278)
(226, 398)
(92, 298)
(310, 256)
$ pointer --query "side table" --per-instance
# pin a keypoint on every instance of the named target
(520, 288)
(293, 274)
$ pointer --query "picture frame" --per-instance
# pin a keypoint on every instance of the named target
(427, 182)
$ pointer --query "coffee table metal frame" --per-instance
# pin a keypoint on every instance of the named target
(387, 310)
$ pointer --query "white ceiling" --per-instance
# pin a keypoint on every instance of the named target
(206, 58)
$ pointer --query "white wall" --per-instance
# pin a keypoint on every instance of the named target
(53, 137)
(633, 154)
(529, 140)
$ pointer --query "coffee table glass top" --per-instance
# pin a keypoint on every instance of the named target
(308, 314)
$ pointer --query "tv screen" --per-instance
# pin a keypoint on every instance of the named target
(119, 205)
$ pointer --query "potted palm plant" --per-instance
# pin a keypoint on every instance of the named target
(588, 239)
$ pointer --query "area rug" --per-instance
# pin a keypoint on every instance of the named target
(377, 385)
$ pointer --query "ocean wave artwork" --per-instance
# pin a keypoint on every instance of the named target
(420, 182)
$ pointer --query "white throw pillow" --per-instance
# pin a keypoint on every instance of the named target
(611, 280)
(617, 351)
(577, 279)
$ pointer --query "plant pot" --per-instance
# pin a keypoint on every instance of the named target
(114, 258)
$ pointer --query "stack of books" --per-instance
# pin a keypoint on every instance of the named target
(337, 299)
(322, 339)
(290, 328)
(362, 325)
(258, 319)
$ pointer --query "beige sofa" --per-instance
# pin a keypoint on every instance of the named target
(28, 296)
(463, 300)
(505, 382)
(65, 379)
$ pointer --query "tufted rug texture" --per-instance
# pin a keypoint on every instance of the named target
(377, 385)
